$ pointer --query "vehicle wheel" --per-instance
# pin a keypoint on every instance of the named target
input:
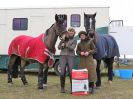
(4, 70)
(57, 69)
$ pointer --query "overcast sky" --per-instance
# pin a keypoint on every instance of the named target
(119, 9)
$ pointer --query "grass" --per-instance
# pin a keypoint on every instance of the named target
(119, 89)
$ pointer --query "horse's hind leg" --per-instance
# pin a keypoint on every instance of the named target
(40, 76)
(109, 62)
(98, 82)
(10, 67)
(22, 74)
(45, 75)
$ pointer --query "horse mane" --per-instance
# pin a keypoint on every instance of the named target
(95, 37)
(47, 30)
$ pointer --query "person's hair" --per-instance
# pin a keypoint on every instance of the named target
(82, 32)
(71, 30)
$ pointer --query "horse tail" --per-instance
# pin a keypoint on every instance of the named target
(15, 67)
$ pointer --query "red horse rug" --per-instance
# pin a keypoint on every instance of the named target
(31, 48)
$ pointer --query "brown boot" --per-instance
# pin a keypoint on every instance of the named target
(62, 83)
(91, 84)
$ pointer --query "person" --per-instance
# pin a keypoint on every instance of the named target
(86, 49)
(67, 56)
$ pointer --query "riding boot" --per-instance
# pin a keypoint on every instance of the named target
(62, 83)
(70, 83)
(9, 76)
(40, 82)
(91, 85)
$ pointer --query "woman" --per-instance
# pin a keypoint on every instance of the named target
(67, 54)
(86, 49)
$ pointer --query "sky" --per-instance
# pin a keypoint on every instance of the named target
(119, 9)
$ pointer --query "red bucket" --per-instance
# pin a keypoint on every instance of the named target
(80, 82)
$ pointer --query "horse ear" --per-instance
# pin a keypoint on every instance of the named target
(85, 14)
(65, 17)
(56, 17)
(94, 15)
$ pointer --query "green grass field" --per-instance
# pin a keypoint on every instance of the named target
(119, 89)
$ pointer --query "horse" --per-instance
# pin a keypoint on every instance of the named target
(106, 48)
(24, 50)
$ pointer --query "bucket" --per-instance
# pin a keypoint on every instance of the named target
(126, 73)
(116, 72)
(80, 82)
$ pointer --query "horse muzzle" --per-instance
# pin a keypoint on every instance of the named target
(62, 35)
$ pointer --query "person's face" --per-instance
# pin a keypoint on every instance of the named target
(82, 37)
(71, 33)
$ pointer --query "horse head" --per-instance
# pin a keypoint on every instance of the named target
(60, 25)
(90, 21)
(58, 29)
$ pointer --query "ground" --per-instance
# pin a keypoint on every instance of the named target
(119, 89)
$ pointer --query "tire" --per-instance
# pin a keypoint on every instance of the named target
(57, 69)
(4, 70)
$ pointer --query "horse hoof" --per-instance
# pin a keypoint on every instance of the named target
(40, 88)
(110, 82)
(10, 84)
(44, 85)
(26, 84)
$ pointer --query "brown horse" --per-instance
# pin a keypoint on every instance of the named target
(38, 49)
(106, 47)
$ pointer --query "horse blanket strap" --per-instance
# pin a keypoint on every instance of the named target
(30, 48)
(51, 57)
(50, 54)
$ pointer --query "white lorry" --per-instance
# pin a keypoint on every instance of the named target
(34, 21)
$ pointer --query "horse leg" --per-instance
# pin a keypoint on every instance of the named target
(45, 75)
(10, 67)
(40, 76)
(98, 82)
(109, 63)
(22, 74)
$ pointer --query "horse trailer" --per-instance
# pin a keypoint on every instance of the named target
(34, 21)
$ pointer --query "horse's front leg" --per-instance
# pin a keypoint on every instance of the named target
(45, 75)
(10, 68)
(40, 76)
(98, 82)
(109, 62)
(22, 74)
